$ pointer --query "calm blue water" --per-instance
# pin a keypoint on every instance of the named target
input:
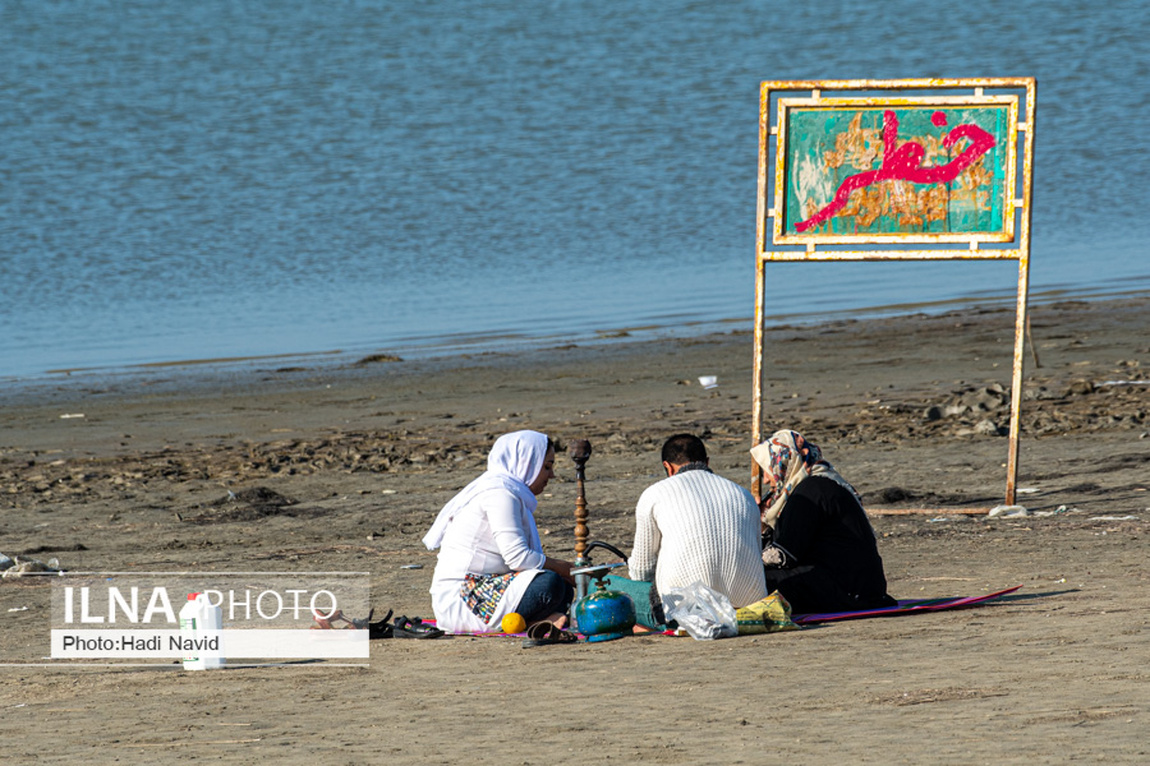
(216, 179)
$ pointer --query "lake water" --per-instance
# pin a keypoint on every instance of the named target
(183, 181)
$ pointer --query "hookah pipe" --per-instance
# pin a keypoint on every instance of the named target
(604, 615)
(580, 450)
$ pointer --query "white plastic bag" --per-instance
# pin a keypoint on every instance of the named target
(704, 613)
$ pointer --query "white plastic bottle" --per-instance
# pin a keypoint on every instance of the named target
(199, 621)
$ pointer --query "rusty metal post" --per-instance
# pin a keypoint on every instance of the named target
(757, 392)
(760, 338)
(1022, 319)
(1016, 379)
(580, 450)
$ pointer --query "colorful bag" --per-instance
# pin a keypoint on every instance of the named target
(482, 593)
(769, 615)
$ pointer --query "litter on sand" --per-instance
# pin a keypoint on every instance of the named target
(18, 567)
(1008, 511)
(709, 381)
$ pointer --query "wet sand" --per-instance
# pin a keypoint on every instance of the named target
(343, 466)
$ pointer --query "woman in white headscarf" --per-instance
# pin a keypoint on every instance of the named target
(491, 562)
(819, 547)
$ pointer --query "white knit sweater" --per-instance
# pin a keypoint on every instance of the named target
(699, 527)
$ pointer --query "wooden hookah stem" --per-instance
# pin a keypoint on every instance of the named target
(580, 451)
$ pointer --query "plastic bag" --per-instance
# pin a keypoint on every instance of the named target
(704, 613)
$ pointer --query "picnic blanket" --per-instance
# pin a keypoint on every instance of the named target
(905, 606)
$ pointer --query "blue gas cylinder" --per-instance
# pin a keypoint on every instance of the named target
(605, 615)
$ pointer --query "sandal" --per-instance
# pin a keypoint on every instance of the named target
(408, 628)
(328, 623)
(381, 629)
(546, 632)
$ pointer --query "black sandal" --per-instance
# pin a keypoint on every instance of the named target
(408, 628)
(381, 629)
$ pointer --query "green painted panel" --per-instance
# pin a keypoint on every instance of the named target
(905, 170)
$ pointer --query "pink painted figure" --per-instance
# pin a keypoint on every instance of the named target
(904, 163)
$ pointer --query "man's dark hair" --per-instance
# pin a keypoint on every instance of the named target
(681, 449)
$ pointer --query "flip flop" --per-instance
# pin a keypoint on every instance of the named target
(547, 632)
(407, 628)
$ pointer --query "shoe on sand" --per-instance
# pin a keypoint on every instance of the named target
(546, 632)
(406, 628)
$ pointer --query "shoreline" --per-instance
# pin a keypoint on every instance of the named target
(897, 383)
(503, 342)
(209, 371)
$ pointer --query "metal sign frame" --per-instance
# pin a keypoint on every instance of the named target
(912, 178)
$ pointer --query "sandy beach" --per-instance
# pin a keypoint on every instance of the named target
(341, 467)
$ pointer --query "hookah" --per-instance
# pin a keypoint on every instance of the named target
(602, 615)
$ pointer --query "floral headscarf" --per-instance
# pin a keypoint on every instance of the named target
(790, 458)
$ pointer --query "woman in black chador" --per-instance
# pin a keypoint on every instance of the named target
(819, 548)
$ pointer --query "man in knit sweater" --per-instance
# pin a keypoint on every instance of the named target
(696, 526)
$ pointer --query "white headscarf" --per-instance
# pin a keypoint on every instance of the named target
(790, 458)
(514, 462)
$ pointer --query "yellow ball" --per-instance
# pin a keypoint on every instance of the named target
(514, 623)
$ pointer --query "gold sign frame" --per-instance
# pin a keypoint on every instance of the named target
(1010, 242)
